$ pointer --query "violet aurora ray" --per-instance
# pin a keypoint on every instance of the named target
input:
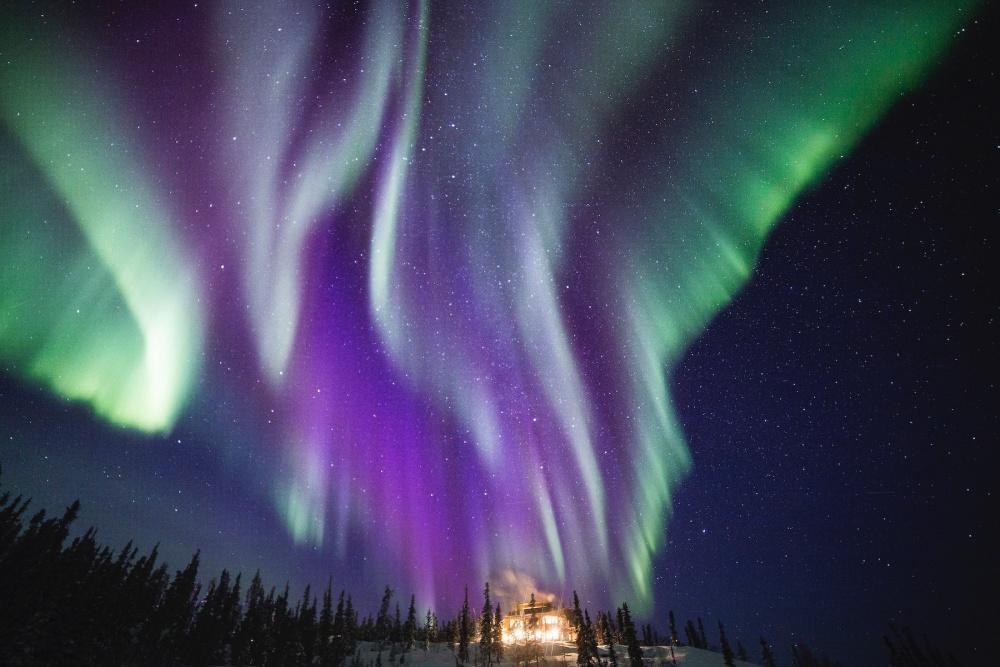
(457, 251)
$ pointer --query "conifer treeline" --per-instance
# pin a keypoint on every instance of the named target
(84, 603)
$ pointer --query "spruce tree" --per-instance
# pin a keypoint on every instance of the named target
(410, 628)
(173, 618)
(251, 628)
(200, 642)
(702, 637)
(324, 629)
(766, 655)
(802, 656)
(350, 640)
(282, 632)
(591, 635)
(305, 627)
(464, 630)
(604, 624)
(498, 635)
(532, 650)
(691, 634)
(232, 612)
(631, 641)
(429, 630)
(609, 638)
(486, 629)
(905, 651)
(583, 656)
(741, 652)
(215, 624)
(674, 639)
(577, 619)
(383, 624)
(583, 644)
(728, 659)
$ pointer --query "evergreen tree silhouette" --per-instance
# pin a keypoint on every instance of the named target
(486, 629)
(583, 656)
(532, 651)
(351, 631)
(591, 639)
(429, 630)
(610, 635)
(582, 646)
(604, 629)
(324, 627)
(766, 655)
(904, 651)
(497, 635)
(464, 630)
(214, 624)
(576, 620)
(170, 623)
(282, 634)
(741, 652)
(802, 656)
(410, 627)
(631, 641)
(691, 634)
(306, 627)
(247, 644)
(383, 625)
(728, 658)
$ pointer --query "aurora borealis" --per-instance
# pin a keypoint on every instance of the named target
(418, 275)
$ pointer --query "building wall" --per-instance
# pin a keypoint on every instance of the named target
(550, 624)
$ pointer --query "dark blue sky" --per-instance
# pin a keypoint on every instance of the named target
(842, 413)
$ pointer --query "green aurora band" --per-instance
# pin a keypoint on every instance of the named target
(99, 298)
(761, 140)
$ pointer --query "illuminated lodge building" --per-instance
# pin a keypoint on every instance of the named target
(550, 624)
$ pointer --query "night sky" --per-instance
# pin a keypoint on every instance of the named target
(689, 305)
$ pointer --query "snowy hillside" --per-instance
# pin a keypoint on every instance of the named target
(553, 654)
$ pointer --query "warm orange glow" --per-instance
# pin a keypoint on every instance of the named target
(551, 625)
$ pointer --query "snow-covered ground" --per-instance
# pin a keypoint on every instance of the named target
(554, 654)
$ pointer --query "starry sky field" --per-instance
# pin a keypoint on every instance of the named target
(686, 304)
